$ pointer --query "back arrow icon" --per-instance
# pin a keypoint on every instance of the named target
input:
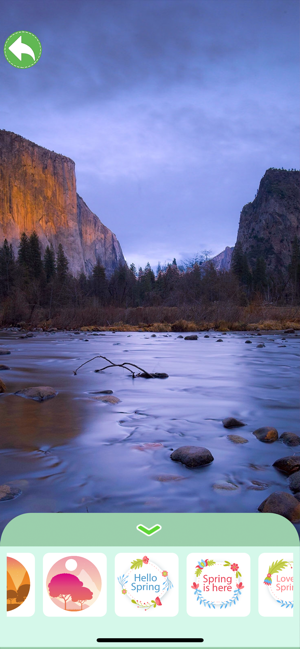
(18, 48)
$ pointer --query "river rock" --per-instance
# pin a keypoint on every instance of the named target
(248, 342)
(289, 331)
(168, 477)
(179, 336)
(266, 434)
(288, 464)
(40, 393)
(3, 367)
(231, 422)
(4, 351)
(206, 336)
(102, 392)
(154, 375)
(260, 345)
(219, 340)
(192, 456)
(153, 335)
(192, 337)
(8, 492)
(282, 503)
(237, 439)
(297, 495)
(257, 485)
(223, 485)
(2, 387)
(108, 399)
(294, 482)
(290, 439)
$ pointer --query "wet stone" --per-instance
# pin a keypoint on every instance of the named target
(266, 434)
(260, 345)
(282, 503)
(179, 336)
(206, 336)
(2, 387)
(257, 485)
(237, 439)
(4, 351)
(108, 399)
(153, 335)
(3, 367)
(154, 375)
(231, 422)
(40, 393)
(288, 464)
(192, 456)
(289, 331)
(224, 485)
(102, 392)
(294, 482)
(192, 337)
(169, 478)
(290, 439)
(248, 342)
(219, 340)
(8, 492)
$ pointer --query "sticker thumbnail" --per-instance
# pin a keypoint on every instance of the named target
(276, 584)
(20, 585)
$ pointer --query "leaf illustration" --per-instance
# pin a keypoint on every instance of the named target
(238, 574)
(276, 566)
(198, 572)
(211, 562)
(227, 563)
(133, 601)
(138, 563)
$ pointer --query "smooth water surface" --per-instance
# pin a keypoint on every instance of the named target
(76, 454)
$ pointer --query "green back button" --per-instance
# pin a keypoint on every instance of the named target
(22, 49)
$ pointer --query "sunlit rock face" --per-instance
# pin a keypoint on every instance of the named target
(269, 224)
(38, 192)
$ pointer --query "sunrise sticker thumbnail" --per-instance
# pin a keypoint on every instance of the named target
(19, 585)
(74, 584)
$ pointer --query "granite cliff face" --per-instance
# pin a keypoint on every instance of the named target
(269, 224)
(38, 192)
(222, 261)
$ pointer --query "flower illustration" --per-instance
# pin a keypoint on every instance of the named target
(195, 586)
(240, 585)
(124, 591)
(157, 601)
(234, 567)
(201, 564)
(145, 560)
(164, 573)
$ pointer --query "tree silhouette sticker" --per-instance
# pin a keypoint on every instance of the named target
(17, 584)
(73, 583)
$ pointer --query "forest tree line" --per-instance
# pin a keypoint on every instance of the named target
(33, 280)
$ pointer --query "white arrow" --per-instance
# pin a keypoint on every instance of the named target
(18, 48)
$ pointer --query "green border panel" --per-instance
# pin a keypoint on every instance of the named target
(177, 529)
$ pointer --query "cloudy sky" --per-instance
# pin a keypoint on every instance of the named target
(171, 109)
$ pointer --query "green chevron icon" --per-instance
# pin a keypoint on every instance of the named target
(148, 530)
(22, 49)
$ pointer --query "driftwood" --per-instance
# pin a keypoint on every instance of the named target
(143, 374)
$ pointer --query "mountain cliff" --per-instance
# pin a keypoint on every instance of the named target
(38, 192)
(269, 224)
(222, 261)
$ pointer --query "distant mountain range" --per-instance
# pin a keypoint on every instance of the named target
(38, 192)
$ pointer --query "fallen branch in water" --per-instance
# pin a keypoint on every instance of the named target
(143, 374)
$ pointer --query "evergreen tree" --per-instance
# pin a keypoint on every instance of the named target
(49, 263)
(7, 269)
(133, 269)
(62, 265)
(294, 267)
(260, 275)
(35, 257)
(240, 266)
(99, 283)
(24, 252)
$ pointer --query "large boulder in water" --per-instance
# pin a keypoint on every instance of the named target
(282, 503)
(2, 386)
(231, 422)
(288, 464)
(40, 393)
(294, 482)
(290, 439)
(266, 434)
(192, 456)
(4, 351)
